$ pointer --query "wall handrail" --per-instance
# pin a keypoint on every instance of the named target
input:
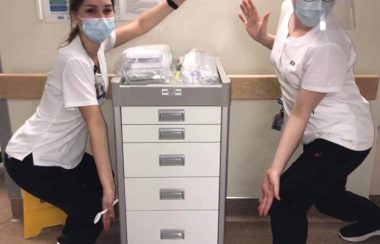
(244, 87)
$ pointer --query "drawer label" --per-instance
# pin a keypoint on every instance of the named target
(171, 92)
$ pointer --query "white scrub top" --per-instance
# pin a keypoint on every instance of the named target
(56, 134)
(322, 61)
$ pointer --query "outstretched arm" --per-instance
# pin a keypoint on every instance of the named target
(145, 22)
(256, 26)
(295, 127)
(99, 144)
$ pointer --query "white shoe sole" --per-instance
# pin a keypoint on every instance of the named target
(360, 238)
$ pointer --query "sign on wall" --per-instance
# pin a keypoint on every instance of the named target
(130, 9)
(58, 10)
(53, 10)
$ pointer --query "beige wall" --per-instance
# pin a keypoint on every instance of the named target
(28, 45)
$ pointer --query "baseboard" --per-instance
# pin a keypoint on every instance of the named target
(241, 206)
(375, 199)
(245, 209)
(17, 208)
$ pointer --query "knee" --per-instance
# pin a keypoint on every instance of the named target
(288, 225)
(322, 208)
(80, 227)
(85, 213)
(277, 209)
(285, 208)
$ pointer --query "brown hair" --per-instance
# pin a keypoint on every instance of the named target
(74, 6)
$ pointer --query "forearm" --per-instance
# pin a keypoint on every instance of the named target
(99, 145)
(155, 15)
(289, 141)
(145, 22)
(268, 41)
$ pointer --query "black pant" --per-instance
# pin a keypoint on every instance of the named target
(77, 192)
(318, 177)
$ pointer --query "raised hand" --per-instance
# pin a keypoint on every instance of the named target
(256, 26)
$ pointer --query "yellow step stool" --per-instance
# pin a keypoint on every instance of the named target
(39, 214)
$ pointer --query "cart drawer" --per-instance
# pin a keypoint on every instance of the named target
(171, 159)
(171, 115)
(172, 193)
(171, 133)
(177, 227)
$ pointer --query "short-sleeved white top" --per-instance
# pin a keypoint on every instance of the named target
(57, 134)
(323, 61)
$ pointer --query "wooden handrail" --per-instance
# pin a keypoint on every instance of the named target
(244, 87)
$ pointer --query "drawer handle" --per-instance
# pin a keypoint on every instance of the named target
(172, 194)
(171, 234)
(172, 160)
(170, 115)
(171, 133)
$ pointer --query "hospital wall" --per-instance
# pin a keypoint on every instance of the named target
(30, 46)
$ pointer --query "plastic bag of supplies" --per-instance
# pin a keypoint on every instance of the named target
(145, 64)
(199, 67)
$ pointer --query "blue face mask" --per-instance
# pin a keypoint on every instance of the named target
(98, 29)
(310, 12)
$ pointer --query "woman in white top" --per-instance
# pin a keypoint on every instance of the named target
(326, 111)
(46, 156)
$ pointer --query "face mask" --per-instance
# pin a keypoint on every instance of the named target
(310, 12)
(98, 29)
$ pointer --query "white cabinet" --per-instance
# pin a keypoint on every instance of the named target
(172, 162)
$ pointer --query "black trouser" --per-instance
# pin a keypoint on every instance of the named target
(318, 177)
(77, 192)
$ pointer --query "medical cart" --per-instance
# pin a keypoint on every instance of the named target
(172, 144)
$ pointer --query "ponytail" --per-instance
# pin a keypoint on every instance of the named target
(74, 32)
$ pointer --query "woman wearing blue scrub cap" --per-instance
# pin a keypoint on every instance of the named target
(314, 58)
(46, 156)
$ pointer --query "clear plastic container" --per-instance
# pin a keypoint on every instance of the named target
(145, 64)
(199, 67)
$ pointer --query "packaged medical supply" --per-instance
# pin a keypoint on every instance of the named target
(198, 67)
(146, 64)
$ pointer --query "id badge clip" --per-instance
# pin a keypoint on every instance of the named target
(278, 119)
